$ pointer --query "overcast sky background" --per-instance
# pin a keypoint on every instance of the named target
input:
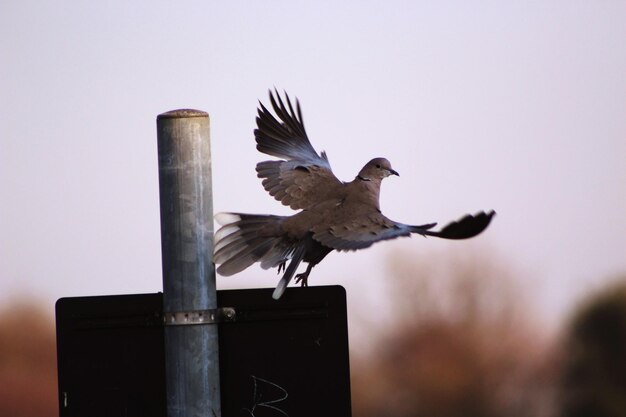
(514, 106)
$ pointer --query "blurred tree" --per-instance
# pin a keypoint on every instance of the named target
(464, 343)
(28, 377)
(594, 378)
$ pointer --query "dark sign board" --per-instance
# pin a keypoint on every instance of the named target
(278, 358)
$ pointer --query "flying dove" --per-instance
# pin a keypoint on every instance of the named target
(334, 215)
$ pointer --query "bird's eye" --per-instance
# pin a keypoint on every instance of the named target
(377, 165)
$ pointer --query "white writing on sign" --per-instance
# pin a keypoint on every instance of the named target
(261, 387)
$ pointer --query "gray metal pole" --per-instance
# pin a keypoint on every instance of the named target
(185, 188)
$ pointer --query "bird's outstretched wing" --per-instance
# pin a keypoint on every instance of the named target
(363, 231)
(302, 178)
(354, 231)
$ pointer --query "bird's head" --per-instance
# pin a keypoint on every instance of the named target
(377, 169)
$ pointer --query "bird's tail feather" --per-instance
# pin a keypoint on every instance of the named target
(245, 239)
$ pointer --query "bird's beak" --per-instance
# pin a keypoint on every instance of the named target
(391, 171)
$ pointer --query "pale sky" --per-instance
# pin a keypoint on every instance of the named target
(515, 106)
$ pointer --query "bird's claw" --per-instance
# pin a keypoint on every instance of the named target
(282, 267)
(302, 279)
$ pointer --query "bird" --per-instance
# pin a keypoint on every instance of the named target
(333, 215)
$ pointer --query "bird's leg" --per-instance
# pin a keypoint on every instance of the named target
(281, 266)
(303, 278)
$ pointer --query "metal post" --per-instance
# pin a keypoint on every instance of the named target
(185, 188)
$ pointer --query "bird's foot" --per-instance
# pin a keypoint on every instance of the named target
(302, 279)
(281, 266)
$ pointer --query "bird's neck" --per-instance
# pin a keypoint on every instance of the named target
(367, 191)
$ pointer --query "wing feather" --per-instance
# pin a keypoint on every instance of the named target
(359, 232)
(303, 177)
